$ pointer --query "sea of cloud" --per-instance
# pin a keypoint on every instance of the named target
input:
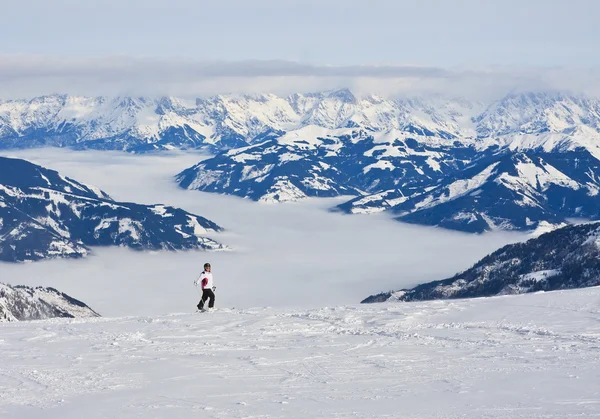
(292, 255)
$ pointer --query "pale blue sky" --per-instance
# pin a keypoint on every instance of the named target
(424, 32)
(186, 47)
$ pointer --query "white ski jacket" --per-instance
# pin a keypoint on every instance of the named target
(205, 280)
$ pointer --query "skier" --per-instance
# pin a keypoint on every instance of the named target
(206, 281)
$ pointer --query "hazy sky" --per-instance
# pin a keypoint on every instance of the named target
(108, 46)
(425, 32)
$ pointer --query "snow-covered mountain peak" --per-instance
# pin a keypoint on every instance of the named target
(167, 104)
(227, 121)
(17, 173)
(44, 215)
(536, 113)
(343, 95)
(21, 303)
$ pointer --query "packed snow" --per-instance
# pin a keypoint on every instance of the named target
(511, 357)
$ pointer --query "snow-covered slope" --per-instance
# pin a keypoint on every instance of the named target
(122, 123)
(223, 122)
(565, 258)
(510, 191)
(219, 122)
(314, 161)
(537, 113)
(45, 215)
(511, 357)
(26, 303)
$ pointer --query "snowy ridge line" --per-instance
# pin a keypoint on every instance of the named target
(351, 361)
(20, 303)
(223, 122)
(509, 191)
(566, 258)
(41, 222)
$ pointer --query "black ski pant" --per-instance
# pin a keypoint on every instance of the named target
(206, 294)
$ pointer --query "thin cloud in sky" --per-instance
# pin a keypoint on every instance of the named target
(437, 33)
(473, 48)
(23, 76)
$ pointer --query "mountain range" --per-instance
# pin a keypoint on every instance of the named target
(220, 122)
(45, 215)
(429, 160)
(510, 191)
(525, 161)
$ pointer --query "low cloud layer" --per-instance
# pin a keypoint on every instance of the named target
(296, 254)
(23, 76)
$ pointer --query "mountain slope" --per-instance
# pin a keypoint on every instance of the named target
(220, 122)
(25, 303)
(562, 259)
(510, 191)
(318, 162)
(224, 122)
(45, 215)
(537, 113)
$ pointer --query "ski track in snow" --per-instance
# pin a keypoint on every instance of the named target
(529, 356)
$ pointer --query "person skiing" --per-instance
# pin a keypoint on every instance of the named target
(205, 280)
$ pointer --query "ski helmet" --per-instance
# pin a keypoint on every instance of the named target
(207, 265)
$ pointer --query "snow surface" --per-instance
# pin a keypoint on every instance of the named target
(459, 188)
(513, 357)
(282, 191)
(539, 275)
